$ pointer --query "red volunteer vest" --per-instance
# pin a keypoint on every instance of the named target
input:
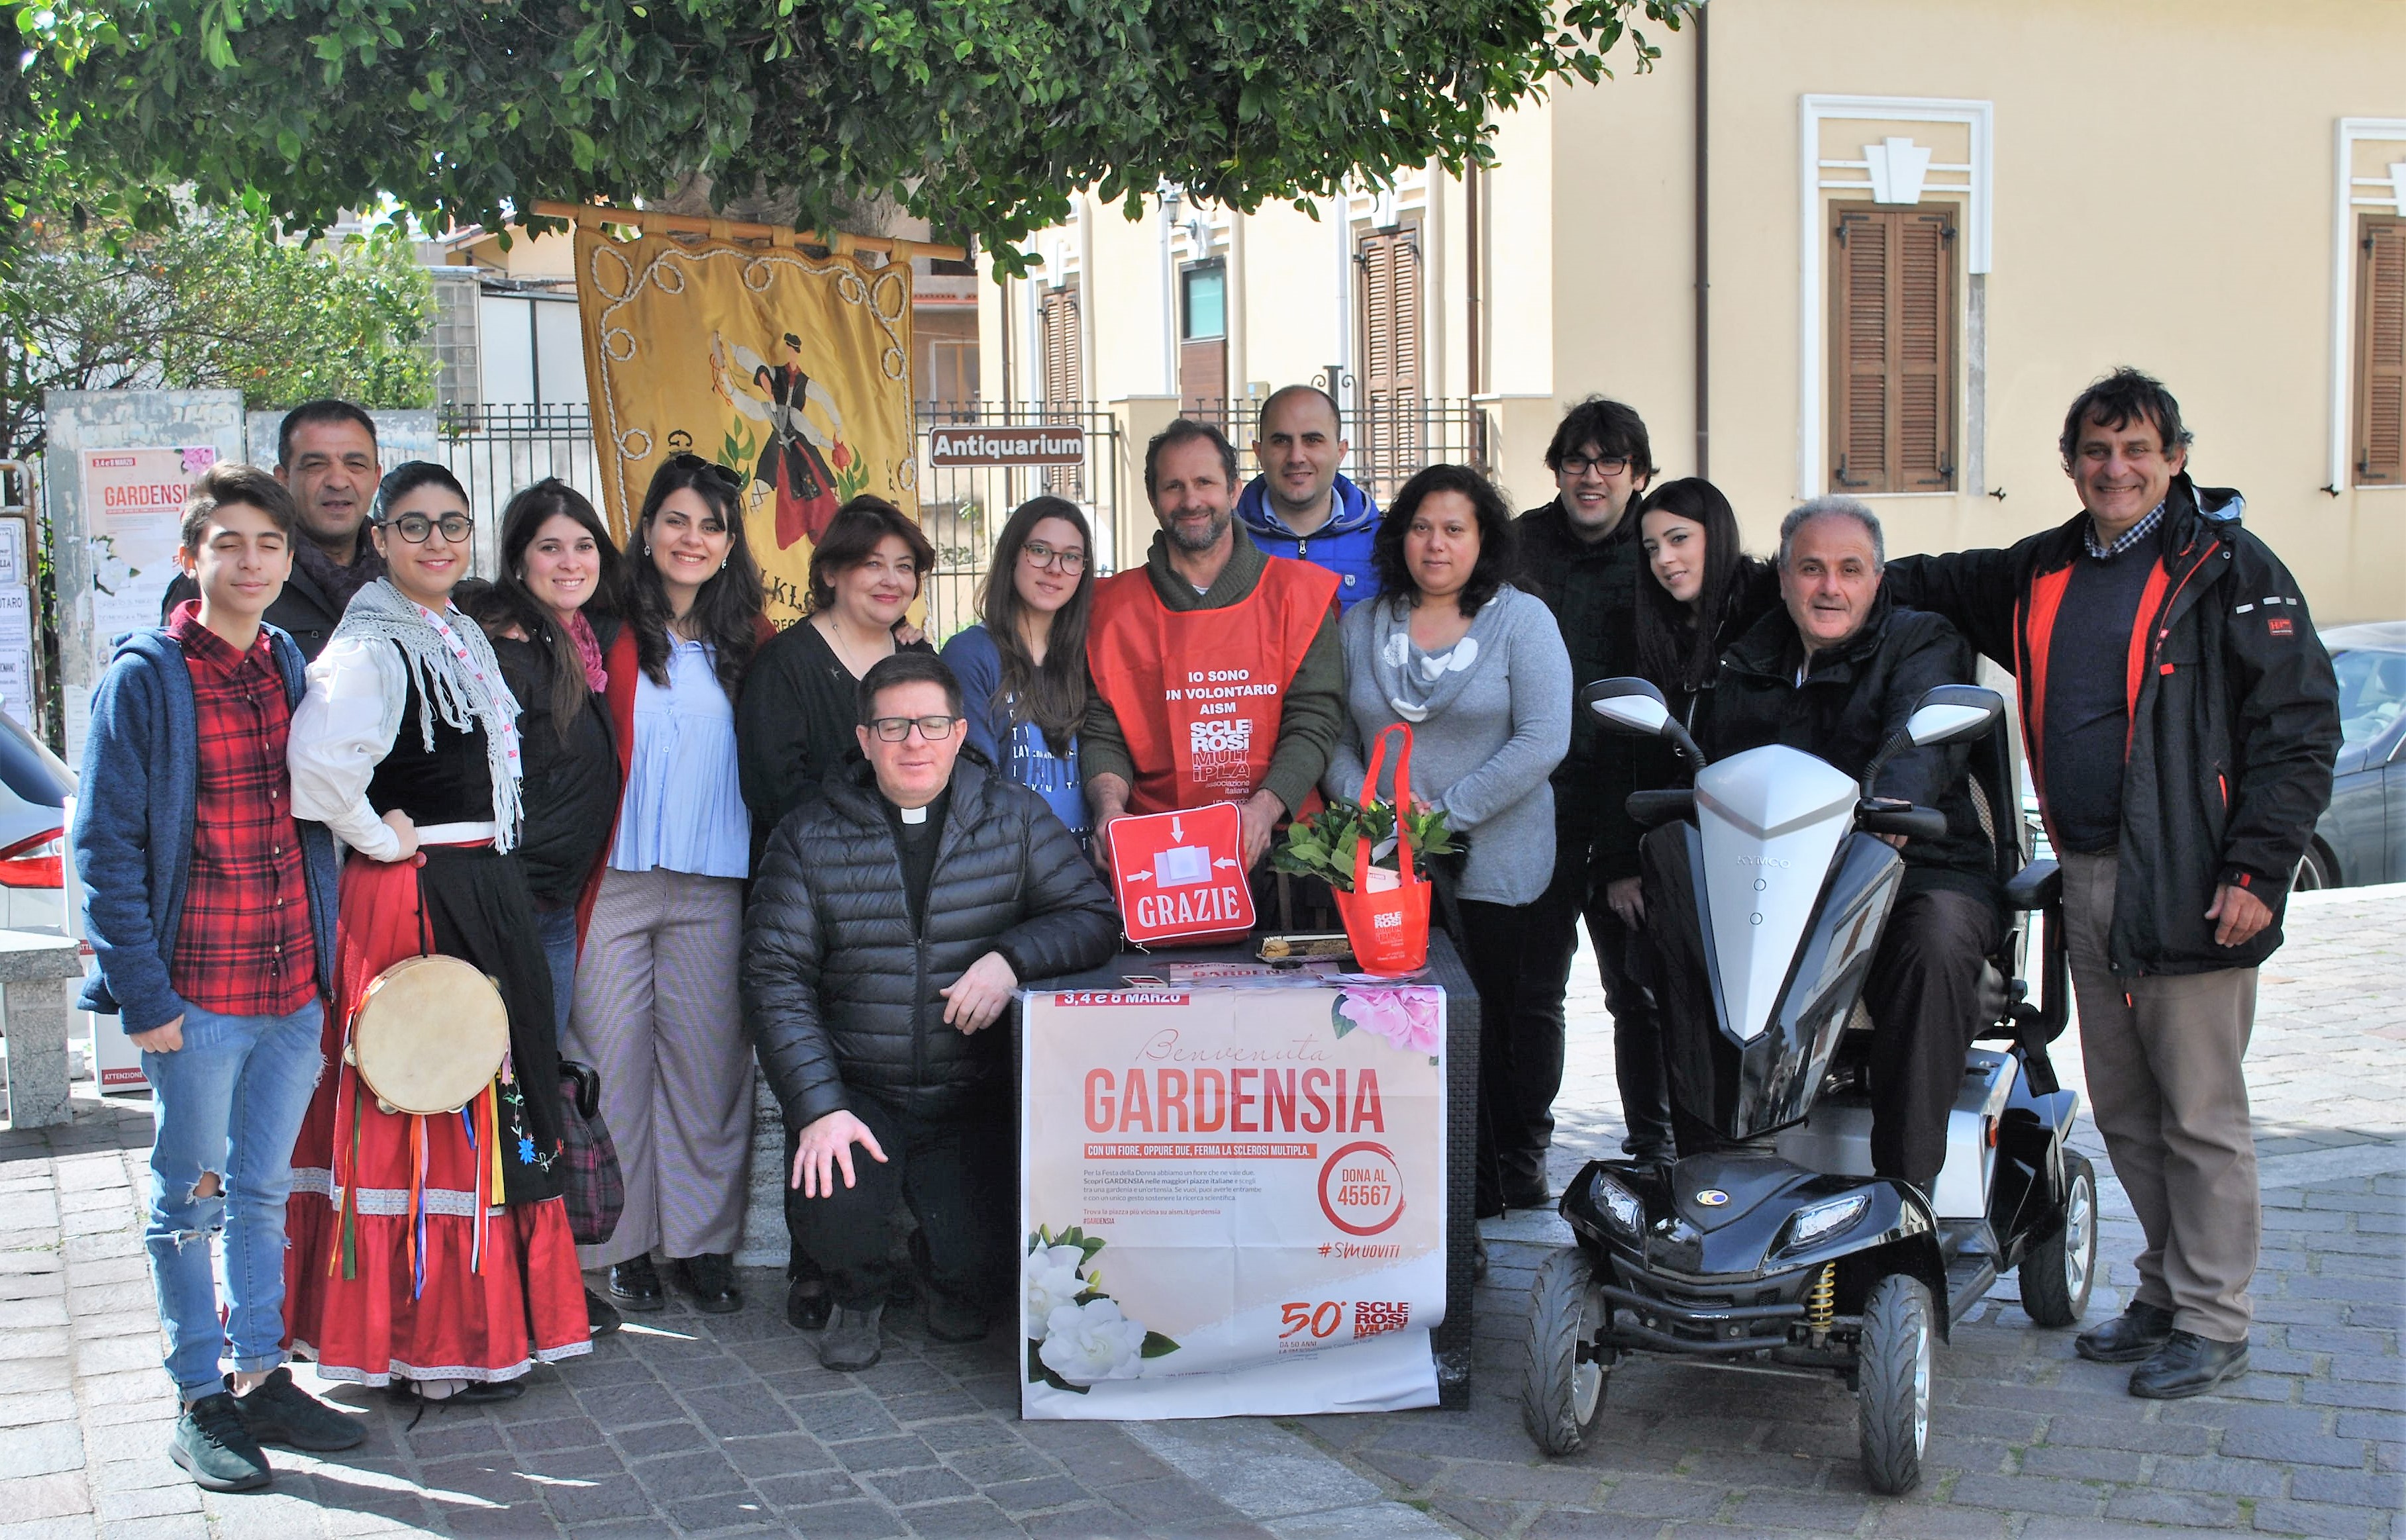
(1198, 693)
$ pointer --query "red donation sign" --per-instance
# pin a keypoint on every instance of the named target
(1180, 876)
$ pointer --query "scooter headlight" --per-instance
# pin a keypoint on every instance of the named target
(1620, 1206)
(1824, 1219)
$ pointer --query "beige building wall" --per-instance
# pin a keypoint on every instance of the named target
(2156, 184)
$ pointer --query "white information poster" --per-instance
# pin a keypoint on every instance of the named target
(1233, 1200)
(134, 505)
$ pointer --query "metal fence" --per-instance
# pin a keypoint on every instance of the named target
(1391, 440)
(497, 451)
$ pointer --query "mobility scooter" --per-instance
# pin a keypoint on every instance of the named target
(1769, 1244)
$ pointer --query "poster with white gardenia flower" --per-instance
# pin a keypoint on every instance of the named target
(1233, 1200)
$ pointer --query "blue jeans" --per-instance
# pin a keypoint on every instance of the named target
(229, 1103)
(557, 930)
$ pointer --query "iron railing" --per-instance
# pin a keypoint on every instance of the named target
(1391, 440)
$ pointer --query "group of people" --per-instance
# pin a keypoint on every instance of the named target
(681, 841)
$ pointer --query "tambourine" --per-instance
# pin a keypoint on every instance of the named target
(428, 1035)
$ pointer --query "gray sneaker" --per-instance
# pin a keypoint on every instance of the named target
(214, 1443)
(851, 1341)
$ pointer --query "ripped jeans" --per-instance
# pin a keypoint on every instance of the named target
(227, 1107)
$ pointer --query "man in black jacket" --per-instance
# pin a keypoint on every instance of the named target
(1836, 673)
(1581, 555)
(326, 455)
(2181, 718)
(890, 922)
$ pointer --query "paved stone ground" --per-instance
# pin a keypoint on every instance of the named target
(686, 1424)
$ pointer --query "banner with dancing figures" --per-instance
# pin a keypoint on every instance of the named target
(1233, 1200)
(792, 371)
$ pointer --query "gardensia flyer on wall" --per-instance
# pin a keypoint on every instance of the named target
(1232, 1200)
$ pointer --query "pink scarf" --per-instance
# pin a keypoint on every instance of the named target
(588, 651)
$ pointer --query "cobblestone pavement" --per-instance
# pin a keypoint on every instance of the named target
(687, 1424)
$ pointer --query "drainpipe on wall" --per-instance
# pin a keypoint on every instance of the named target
(1473, 367)
(1704, 270)
(1169, 201)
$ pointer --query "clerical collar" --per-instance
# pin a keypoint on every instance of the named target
(913, 815)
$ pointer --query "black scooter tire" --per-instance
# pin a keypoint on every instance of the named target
(2057, 1273)
(1893, 1380)
(1561, 1389)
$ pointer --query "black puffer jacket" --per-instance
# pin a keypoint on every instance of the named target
(840, 990)
(2233, 727)
(1854, 697)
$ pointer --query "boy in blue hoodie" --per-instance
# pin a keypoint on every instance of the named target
(211, 914)
(1299, 506)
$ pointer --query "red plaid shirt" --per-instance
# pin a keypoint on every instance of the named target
(244, 946)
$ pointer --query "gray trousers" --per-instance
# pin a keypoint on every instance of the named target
(2167, 1090)
(657, 1014)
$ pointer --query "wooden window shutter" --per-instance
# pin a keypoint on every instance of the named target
(1062, 365)
(1892, 345)
(1388, 434)
(2381, 353)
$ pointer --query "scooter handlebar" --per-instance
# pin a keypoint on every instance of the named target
(1887, 815)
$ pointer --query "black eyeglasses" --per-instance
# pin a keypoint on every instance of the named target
(1041, 555)
(1579, 465)
(935, 730)
(724, 477)
(416, 528)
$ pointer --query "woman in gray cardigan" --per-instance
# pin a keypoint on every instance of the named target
(1478, 670)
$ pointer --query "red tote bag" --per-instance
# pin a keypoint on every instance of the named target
(1389, 929)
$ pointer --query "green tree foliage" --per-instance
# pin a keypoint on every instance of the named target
(980, 115)
(214, 300)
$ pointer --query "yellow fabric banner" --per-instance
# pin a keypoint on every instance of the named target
(791, 369)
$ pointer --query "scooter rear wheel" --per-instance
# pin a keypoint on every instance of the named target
(1566, 1368)
(1892, 1383)
(2057, 1273)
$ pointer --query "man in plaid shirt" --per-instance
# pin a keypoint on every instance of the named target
(211, 913)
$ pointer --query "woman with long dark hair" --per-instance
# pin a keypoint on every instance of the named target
(656, 1012)
(1478, 670)
(1704, 591)
(407, 745)
(552, 614)
(1022, 668)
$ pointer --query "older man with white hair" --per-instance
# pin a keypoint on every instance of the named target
(1835, 672)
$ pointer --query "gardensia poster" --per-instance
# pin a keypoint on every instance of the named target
(791, 371)
(1233, 1200)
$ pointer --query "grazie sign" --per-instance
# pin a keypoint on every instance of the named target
(1035, 443)
(1179, 876)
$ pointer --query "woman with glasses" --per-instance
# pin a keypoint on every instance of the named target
(406, 746)
(1022, 669)
(656, 1013)
(802, 702)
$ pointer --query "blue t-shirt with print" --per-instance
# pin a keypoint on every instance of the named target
(1018, 750)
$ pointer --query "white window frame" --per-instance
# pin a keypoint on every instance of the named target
(2349, 193)
(1812, 381)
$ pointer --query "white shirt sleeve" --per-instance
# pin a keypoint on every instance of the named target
(341, 731)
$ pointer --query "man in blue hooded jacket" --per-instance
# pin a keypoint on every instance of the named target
(1300, 501)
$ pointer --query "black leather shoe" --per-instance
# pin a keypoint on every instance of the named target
(601, 1316)
(635, 1286)
(807, 1304)
(2133, 1335)
(2187, 1365)
(710, 1280)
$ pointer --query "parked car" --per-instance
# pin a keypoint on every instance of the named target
(35, 786)
(2362, 837)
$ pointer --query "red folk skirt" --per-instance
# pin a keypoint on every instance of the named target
(405, 1260)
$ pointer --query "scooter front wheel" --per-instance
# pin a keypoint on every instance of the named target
(1566, 1368)
(1892, 1383)
(2057, 1273)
